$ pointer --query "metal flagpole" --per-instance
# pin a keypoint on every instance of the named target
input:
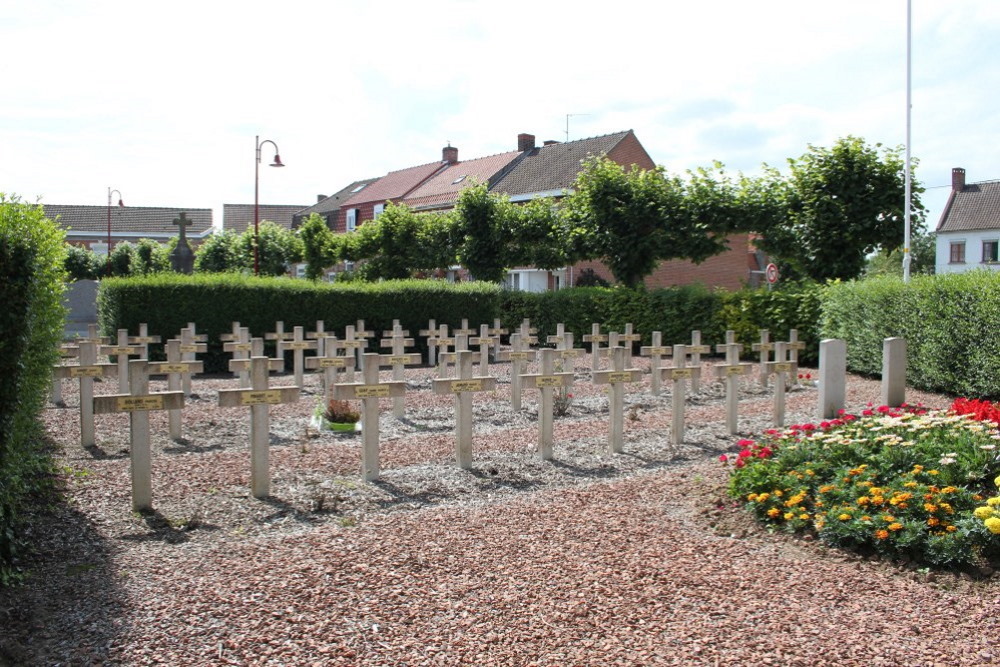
(909, 178)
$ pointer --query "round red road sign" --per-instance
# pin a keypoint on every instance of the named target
(771, 273)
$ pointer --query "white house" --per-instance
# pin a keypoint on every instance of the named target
(968, 233)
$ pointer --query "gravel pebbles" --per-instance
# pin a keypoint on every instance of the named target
(590, 559)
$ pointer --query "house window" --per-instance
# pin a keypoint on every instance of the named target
(352, 219)
(957, 252)
(990, 251)
(348, 266)
(379, 209)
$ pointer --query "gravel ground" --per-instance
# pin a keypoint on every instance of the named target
(590, 559)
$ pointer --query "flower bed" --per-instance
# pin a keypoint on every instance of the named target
(902, 483)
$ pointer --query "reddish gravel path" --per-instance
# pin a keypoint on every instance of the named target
(589, 560)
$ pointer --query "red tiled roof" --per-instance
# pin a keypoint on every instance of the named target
(395, 184)
(238, 217)
(444, 187)
(976, 206)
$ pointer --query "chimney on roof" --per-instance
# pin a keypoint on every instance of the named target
(551, 142)
(320, 198)
(449, 154)
(957, 179)
(525, 142)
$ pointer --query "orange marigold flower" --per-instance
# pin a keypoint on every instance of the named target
(930, 508)
(773, 512)
(933, 472)
(789, 516)
(864, 500)
(933, 521)
(951, 528)
(910, 485)
(895, 526)
(949, 489)
(804, 516)
(881, 534)
(844, 517)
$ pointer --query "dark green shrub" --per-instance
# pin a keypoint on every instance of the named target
(32, 255)
(83, 264)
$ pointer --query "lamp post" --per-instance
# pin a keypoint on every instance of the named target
(120, 205)
(256, 197)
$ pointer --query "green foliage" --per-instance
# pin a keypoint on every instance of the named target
(401, 242)
(838, 206)
(32, 256)
(631, 220)
(922, 257)
(83, 264)
(278, 248)
(151, 257)
(220, 253)
(482, 235)
(892, 482)
(539, 236)
(123, 259)
(318, 248)
(951, 324)
(590, 278)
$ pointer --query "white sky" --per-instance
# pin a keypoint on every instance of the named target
(162, 101)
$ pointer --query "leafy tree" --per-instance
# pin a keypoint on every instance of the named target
(123, 259)
(279, 248)
(150, 257)
(539, 236)
(837, 207)
(401, 242)
(318, 247)
(631, 220)
(481, 233)
(219, 253)
(922, 253)
(83, 263)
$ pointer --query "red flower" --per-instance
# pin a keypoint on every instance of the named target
(746, 443)
(739, 463)
(724, 458)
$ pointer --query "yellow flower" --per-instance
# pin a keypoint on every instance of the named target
(804, 517)
(826, 488)
(932, 472)
(844, 517)
(881, 534)
(789, 516)
(910, 485)
(752, 497)
(933, 521)
(866, 518)
(778, 493)
(993, 502)
(949, 489)
(930, 508)
(951, 529)
(761, 497)
(895, 526)
(863, 500)
(993, 524)
(917, 469)
(878, 500)
(983, 512)
(997, 481)
(773, 512)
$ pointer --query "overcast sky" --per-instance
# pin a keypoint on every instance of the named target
(162, 101)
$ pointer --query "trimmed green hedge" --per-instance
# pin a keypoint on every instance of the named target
(32, 254)
(951, 324)
(167, 302)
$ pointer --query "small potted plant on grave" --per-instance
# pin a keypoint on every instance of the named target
(340, 416)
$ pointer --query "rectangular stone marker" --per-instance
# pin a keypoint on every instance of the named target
(655, 352)
(595, 338)
(893, 372)
(86, 372)
(175, 369)
(731, 372)
(764, 347)
(369, 391)
(123, 351)
(832, 377)
(616, 379)
(430, 335)
(330, 363)
(399, 360)
(679, 373)
(546, 382)
(782, 370)
(259, 398)
(138, 402)
(695, 350)
(485, 342)
(463, 387)
(518, 356)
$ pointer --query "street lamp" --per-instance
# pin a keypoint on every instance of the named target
(120, 205)
(256, 197)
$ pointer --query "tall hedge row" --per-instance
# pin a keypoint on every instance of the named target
(167, 302)
(951, 324)
(31, 327)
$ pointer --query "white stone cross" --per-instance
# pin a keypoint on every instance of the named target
(242, 366)
(655, 352)
(793, 347)
(86, 371)
(123, 351)
(518, 355)
(191, 346)
(399, 360)
(731, 372)
(461, 344)
(431, 334)
(279, 335)
(463, 330)
(781, 369)
(329, 363)
(138, 402)
(259, 398)
(559, 337)
(369, 390)
(143, 340)
(65, 352)
(546, 381)
(463, 387)
(362, 334)
(679, 373)
(442, 342)
(354, 346)
(628, 339)
(595, 338)
(497, 331)
(616, 379)
(175, 369)
(695, 350)
(319, 335)
(764, 347)
(485, 342)
(239, 344)
(298, 345)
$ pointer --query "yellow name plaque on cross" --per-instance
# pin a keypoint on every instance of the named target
(135, 403)
(548, 381)
(85, 371)
(268, 396)
(735, 370)
(466, 385)
(332, 362)
(680, 373)
(623, 376)
(371, 391)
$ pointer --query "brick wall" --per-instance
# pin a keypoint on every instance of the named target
(629, 151)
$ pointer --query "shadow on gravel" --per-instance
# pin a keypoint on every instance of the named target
(169, 530)
(423, 427)
(69, 609)
(398, 496)
(185, 446)
(99, 454)
(285, 509)
(599, 471)
(492, 478)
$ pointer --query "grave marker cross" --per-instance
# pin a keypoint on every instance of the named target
(616, 379)
(463, 387)
(546, 381)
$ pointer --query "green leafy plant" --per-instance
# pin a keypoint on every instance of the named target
(895, 482)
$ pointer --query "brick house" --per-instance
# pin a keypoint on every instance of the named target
(328, 207)
(528, 173)
(87, 226)
(968, 232)
(239, 217)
